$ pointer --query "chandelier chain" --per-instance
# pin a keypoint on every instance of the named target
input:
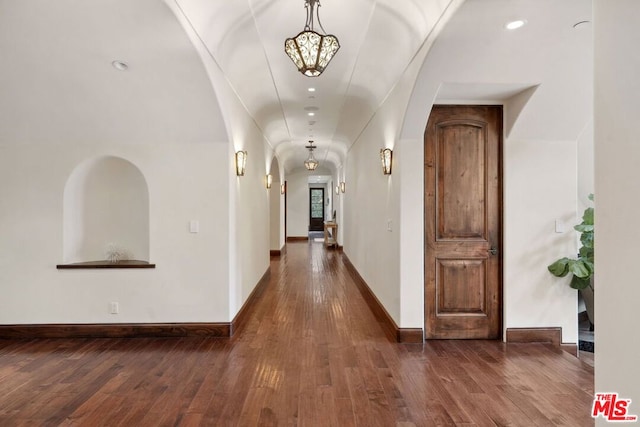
(310, 5)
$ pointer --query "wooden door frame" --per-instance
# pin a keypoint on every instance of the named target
(501, 136)
(324, 213)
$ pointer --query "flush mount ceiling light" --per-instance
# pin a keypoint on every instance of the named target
(310, 50)
(514, 25)
(311, 163)
(120, 65)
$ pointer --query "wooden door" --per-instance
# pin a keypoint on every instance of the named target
(463, 221)
(316, 209)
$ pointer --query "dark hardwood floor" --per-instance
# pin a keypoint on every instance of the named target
(311, 354)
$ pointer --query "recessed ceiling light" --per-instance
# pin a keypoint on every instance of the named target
(311, 114)
(514, 25)
(312, 89)
(120, 65)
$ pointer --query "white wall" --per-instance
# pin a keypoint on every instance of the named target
(248, 201)
(539, 188)
(369, 205)
(276, 215)
(190, 283)
(617, 155)
(249, 231)
(497, 64)
(164, 116)
(298, 200)
(328, 201)
(106, 208)
(338, 202)
(540, 183)
(372, 209)
(586, 168)
(298, 204)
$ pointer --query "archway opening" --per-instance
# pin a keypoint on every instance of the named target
(106, 212)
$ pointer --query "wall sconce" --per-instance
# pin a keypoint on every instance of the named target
(343, 186)
(268, 180)
(337, 190)
(283, 188)
(386, 155)
(241, 162)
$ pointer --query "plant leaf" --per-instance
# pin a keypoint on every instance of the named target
(590, 266)
(586, 253)
(578, 268)
(560, 267)
(587, 218)
(582, 228)
(579, 283)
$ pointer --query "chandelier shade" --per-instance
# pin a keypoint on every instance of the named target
(311, 163)
(311, 51)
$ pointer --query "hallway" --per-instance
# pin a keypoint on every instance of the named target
(311, 354)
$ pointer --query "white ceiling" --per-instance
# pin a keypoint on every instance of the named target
(57, 72)
(246, 39)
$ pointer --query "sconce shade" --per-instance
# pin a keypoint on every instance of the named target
(268, 180)
(241, 162)
(337, 189)
(283, 188)
(343, 186)
(386, 155)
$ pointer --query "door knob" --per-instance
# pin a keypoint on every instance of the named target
(493, 251)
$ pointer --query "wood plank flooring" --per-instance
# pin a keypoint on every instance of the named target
(311, 354)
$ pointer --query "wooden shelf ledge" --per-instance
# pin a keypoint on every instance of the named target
(105, 264)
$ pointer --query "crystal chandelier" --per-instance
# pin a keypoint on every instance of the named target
(310, 50)
(311, 163)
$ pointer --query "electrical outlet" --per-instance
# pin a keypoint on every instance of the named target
(114, 308)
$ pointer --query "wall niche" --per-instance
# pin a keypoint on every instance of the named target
(106, 216)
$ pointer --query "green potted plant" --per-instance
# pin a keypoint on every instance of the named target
(581, 268)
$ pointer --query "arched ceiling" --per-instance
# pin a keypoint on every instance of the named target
(58, 84)
(477, 60)
(378, 38)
